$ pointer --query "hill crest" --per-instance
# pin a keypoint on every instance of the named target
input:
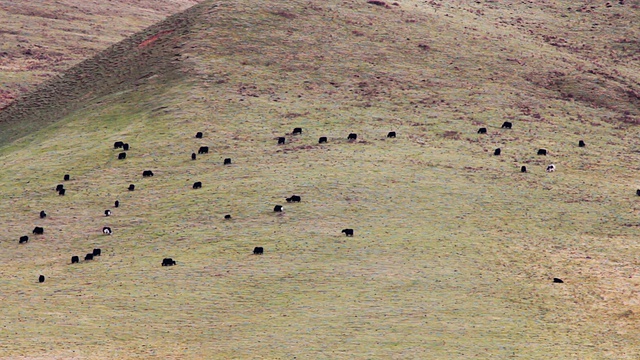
(454, 249)
(42, 40)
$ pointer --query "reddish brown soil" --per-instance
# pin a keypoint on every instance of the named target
(42, 40)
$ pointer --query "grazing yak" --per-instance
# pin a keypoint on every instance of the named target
(168, 262)
(497, 152)
(523, 169)
(122, 156)
(197, 185)
(322, 140)
(391, 134)
(278, 208)
(66, 177)
(551, 168)
(193, 156)
(125, 147)
(116, 204)
(132, 187)
(281, 140)
(118, 144)
(203, 150)
(542, 152)
(97, 252)
(348, 232)
(482, 131)
(75, 259)
(352, 137)
(227, 217)
(41, 278)
(38, 230)
(43, 214)
(199, 135)
(294, 198)
(581, 143)
(227, 161)
(106, 230)
(88, 257)
(258, 250)
(506, 125)
(107, 213)
(23, 239)
(297, 131)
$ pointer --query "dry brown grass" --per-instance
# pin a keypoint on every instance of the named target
(41, 40)
(454, 249)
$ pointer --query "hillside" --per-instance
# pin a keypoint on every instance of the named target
(454, 251)
(41, 40)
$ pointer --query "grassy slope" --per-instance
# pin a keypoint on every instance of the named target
(44, 39)
(454, 249)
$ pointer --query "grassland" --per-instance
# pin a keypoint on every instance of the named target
(41, 40)
(454, 249)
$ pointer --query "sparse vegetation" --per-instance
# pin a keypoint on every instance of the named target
(41, 40)
(454, 250)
